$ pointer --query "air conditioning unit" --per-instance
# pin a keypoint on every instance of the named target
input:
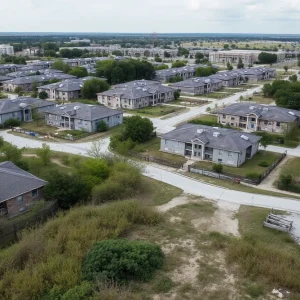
(216, 134)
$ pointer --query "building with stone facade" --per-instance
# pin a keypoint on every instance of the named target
(257, 117)
(19, 189)
(6, 49)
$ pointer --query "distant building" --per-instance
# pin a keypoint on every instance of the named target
(183, 72)
(26, 82)
(21, 108)
(32, 51)
(6, 49)
(80, 41)
(7, 68)
(257, 117)
(80, 116)
(249, 57)
(19, 189)
(136, 94)
(68, 89)
(219, 145)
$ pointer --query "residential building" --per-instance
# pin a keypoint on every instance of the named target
(80, 41)
(32, 71)
(26, 82)
(32, 51)
(68, 89)
(183, 72)
(6, 49)
(136, 94)
(80, 116)
(7, 68)
(198, 85)
(219, 145)
(21, 108)
(19, 189)
(4, 78)
(249, 57)
(258, 117)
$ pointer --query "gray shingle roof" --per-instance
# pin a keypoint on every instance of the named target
(228, 139)
(39, 78)
(22, 73)
(196, 82)
(137, 89)
(265, 112)
(7, 106)
(84, 111)
(15, 181)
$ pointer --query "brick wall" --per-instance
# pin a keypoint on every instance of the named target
(15, 207)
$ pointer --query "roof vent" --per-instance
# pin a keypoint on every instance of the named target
(63, 107)
(216, 134)
(252, 107)
(244, 137)
(291, 113)
(215, 127)
(200, 130)
(265, 109)
(76, 107)
(22, 105)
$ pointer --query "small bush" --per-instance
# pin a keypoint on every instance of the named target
(122, 260)
(218, 168)
(12, 123)
(253, 176)
(263, 164)
(255, 290)
(163, 284)
(79, 292)
(102, 126)
(286, 180)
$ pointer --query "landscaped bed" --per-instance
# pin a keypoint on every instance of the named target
(251, 166)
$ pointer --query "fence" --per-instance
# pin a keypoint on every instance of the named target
(11, 232)
(233, 177)
(154, 159)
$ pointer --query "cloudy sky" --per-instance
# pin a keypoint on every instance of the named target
(244, 16)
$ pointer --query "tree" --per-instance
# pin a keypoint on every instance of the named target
(204, 72)
(286, 68)
(122, 260)
(12, 153)
(1, 142)
(229, 66)
(176, 95)
(61, 65)
(267, 58)
(226, 46)
(199, 55)
(44, 153)
(79, 72)
(95, 150)
(66, 189)
(93, 86)
(293, 78)
(240, 64)
(138, 129)
(102, 126)
(19, 90)
(285, 180)
(36, 115)
(178, 64)
(158, 59)
(43, 95)
(117, 53)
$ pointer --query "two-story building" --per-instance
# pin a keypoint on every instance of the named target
(22, 108)
(219, 145)
(136, 94)
(79, 116)
(258, 117)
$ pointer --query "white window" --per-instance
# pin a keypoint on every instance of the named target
(20, 199)
(34, 193)
(229, 154)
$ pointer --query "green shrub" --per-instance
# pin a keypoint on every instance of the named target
(253, 176)
(1, 126)
(286, 180)
(122, 260)
(218, 168)
(12, 123)
(263, 164)
(102, 126)
(255, 290)
(163, 284)
(79, 292)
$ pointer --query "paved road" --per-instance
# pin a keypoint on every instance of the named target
(185, 183)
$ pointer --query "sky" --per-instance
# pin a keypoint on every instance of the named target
(161, 16)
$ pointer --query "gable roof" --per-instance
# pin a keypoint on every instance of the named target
(227, 139)
(15, 181)
(265, 112)
(83, 111)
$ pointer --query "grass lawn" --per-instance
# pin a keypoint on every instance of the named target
(154, 111)
(292, 167)
(152, 148)
(189, 102)
(40, 127)
(238, 187)
(258, 99)
(216, 95)
(207, 118)
(250, 166)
